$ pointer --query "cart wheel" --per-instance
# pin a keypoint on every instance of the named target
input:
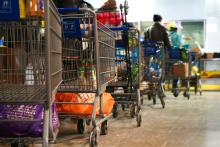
(14, 145)
(142, 100)
(154, 100)
(123, 107)
(149, 97)
(93, 139)
(88, 122)
(196, 90)
(186, 94)
(18, 145)
(104, 128)
(80, 126)
(200, 93)
(175, 93)
(132, 111)
(115, 111)
(162, 101)
(139, 120)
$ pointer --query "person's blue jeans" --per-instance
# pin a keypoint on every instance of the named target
(175, 82)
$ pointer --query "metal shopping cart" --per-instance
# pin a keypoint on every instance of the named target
(195, 79)
(125, 89)
(179, 57)
(88, 66)
(153, 70)
(30, 72)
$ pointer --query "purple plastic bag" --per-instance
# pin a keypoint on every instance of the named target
(24, 129)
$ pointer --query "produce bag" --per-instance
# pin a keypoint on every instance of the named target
(81, 108)
(25, 129)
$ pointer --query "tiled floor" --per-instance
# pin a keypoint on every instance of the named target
(183, 123)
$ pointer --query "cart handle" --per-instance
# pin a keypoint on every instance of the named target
(120, 29)
(68, 10)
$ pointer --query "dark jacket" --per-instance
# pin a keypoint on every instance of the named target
(157, 32)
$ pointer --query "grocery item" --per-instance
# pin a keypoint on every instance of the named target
(22, 9)
(91, 76)
(2, 42)
(181, 70)
(83, 109)
(12, 9)
(25, 129)
(194, 71)
(35, 8)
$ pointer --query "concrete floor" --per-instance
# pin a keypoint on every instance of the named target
(183, 123)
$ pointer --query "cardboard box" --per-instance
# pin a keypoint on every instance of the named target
(180, 70)
(209, 55)
(11, 65)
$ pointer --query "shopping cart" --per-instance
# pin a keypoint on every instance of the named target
(153, 70)
(179, 56)
(88, 67)
(125, 89)
(195, 79)
(30, 72)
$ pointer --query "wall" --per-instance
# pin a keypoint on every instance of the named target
(208, 10)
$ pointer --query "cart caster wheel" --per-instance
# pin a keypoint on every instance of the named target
(93, 139)
(142, 100)
(132, 111)
(162, 102)
(176, 94)
(14, 145)
(80, 126)
(154, 100)
(18, 145)
(139, 120)
(186, 94)
(149, 97)
(104, 128)
(196, 91)
(123, 107)
(115, 111)
(88, 122)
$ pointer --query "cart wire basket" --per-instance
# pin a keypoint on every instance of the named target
(153, 70)
(30, 72)
(125, 89)
(178, 56)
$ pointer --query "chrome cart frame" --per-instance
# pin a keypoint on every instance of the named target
(130, 97)
(88, 65)
(22, 84)
(153, 54)
(183, 81)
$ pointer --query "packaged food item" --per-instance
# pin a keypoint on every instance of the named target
(12, 10)
(35, 8)
(91, 77)
(21, 128)
(22, 9)
(82, 81)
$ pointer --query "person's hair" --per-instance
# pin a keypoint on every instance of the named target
(174, 29)
(157, 18)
